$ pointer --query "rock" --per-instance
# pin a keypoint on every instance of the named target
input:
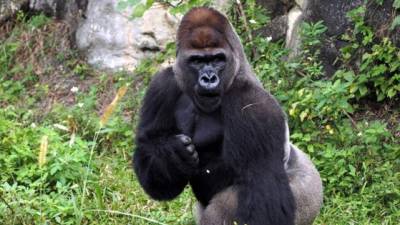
(112, 40)
(287, 17)
(333, 14)
(293, 39)
(334, 17)
(8, 8)
(276, 29)
(61, 9)
(276, 7)
(380, 18)
(71, 11)
(222, 5)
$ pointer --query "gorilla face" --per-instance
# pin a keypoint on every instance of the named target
(204, 75)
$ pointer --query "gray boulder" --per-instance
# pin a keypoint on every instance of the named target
(112, 40)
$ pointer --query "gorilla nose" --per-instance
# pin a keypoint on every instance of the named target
(208, 81)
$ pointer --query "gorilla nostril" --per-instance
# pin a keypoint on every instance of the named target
(208, 81)
(205, 79)
(213, 79)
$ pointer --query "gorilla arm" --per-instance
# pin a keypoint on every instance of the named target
(254, 138)
(161, 161)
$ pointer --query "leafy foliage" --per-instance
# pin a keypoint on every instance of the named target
(139, 7)
(379, 60)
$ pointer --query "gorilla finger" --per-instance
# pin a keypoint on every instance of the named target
(195, 156)
(183, 152)
(190, 149)
(184, 139)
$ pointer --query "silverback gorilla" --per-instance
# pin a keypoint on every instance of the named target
(208, 122)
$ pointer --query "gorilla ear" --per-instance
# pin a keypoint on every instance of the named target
(204, 27)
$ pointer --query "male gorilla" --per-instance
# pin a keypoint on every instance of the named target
(208, 122)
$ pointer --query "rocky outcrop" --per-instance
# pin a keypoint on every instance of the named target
(380, 18)
(288, 15)
(276, 8)
(334, 17)
(112, 40)
(8, 8)
(61, 9)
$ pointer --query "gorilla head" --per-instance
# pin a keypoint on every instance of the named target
(208, 57)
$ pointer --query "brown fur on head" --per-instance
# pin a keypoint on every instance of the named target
(202, 28)
(206, 37)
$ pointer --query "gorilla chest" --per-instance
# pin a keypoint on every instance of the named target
(205, 129)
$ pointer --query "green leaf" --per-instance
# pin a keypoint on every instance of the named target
(122, 5)
(352, 170)
(349, 76)
(395, 23)
(381, 96)
(363, 90)
(133, 2)
(149, 3)
(378, 70)
(392, 92)
(303, 115)
(396, 4)
(139, 10)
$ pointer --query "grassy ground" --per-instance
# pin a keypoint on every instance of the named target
(65, 149)
(48, 91)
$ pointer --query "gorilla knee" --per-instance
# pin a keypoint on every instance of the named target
(306, 186)
(221, 210)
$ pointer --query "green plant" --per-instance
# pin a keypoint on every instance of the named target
(139, 7)
(396, 20)
(311, 35)
(379, 71)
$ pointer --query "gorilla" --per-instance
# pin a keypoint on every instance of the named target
(207, 122)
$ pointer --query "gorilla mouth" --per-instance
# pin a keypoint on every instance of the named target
(208, 95)
(207, 101)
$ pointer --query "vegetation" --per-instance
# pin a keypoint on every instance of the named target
(65, 149)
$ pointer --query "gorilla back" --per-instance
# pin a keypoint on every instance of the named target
(208, 122)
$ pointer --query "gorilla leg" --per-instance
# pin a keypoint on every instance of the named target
(306, 185)
(221, 209)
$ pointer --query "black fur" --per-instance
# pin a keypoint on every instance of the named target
(240, 145)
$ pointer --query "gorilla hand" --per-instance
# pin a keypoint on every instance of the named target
(187, 151)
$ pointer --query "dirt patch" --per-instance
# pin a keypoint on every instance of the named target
(388, 111)
(53, 72)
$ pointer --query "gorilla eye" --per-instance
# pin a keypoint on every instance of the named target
(195, 60)
(219, 60)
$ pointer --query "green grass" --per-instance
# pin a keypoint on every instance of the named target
(36, 103)
(355, 146)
